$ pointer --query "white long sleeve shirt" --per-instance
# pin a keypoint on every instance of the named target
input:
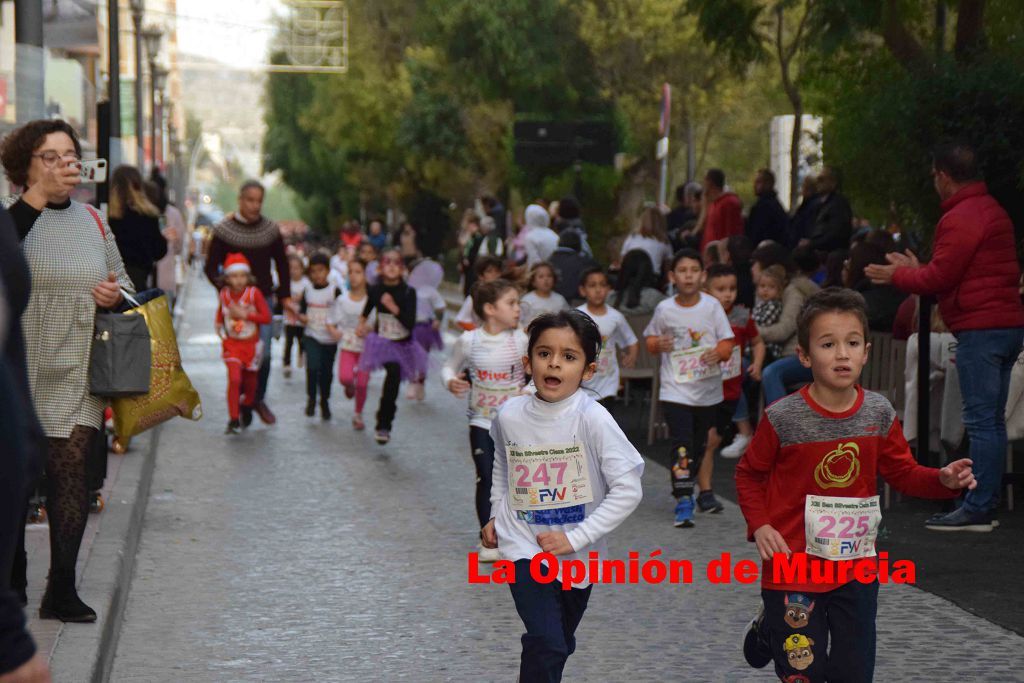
(571, 459)
(495, 364)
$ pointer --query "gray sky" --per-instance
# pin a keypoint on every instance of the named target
(232, 31)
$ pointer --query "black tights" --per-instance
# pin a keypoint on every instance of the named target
(67, 497)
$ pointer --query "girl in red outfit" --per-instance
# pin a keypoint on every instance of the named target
(242, 310)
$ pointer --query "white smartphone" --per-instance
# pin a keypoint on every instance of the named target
(93, 170)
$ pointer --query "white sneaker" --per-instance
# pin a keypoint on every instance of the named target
(737, 448)
(488, 554)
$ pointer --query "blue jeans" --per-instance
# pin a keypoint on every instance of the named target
(777, 375)
(266, 337)
(984, 359)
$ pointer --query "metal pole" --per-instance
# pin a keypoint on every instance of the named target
(152, 113)
(924, 348)
(30, 75)
(109, 143)
(140, 124)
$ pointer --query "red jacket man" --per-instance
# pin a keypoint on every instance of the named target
(974, 273)
(723, 216)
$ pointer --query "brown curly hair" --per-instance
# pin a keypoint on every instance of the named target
(17, 148)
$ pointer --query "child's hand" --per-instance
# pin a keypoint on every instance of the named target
(388, 302)
(555, 542)
(303, 319)
(361, 329)
(458, 386)
(667, 343)
(710, 357)
(488, 536)
(436, 324)
(335, 333)
(769, 541)
(958, 475)
(238, 312)
(755, 372)
(629, 360)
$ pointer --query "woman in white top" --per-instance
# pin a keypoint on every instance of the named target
(651, 236)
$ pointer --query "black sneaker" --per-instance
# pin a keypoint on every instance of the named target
(707, 502)
(246, 416)
(233, 427)
(310, 408)
(961, 520)
(325, 410)
(756, 648)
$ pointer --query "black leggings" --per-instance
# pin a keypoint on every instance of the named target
(481, 446)
(688, 426)
(388, 396)
(292, 334)
(67, 497)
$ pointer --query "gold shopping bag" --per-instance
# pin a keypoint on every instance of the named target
(170, 392)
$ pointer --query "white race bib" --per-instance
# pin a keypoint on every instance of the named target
(316, 318)
(389, 327)
(548, 477)
(841, 528)
(350, 341)
(687, 365)
(484, 399)
(733, 367)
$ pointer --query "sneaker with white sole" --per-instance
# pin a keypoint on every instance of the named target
(488, 555)
(737, 448)
(382, 436)
(961, 520)
(684, 512)
(756, 648)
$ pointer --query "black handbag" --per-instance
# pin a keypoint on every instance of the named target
(121, 357)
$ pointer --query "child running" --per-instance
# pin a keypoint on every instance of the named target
(693, 336)
(722, 283)
(293, 328)
(493, 354)
(343, 326)
(488, 269)
(390, 345)
(425, 278)
(242, 310)
(315, 309)
(615, 334)
(559, 438)
(541, 297)
(808, 481)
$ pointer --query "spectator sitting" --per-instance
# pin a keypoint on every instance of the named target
(570, 219)
(376, 234)
(835, 264)
(723, 215)
(684, 216)
(833, 223)
(767, 219)
(803, 218)
(636, 290)
(540, 241)
(651, 237)
(569, 262)
(882, 300)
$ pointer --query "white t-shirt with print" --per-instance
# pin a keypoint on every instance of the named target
(701, 326)
(533, 304)
(495, 364)
(318, 303)
(615, 332)
(297, 287)
(609, 467)
(345, 316)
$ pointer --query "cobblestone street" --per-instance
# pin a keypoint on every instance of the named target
(304, 551)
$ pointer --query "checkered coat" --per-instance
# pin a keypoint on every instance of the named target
(67, 257)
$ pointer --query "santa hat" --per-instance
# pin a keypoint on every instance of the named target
(236, 263)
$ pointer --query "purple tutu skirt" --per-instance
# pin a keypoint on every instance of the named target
(426, 336)
(409, 355)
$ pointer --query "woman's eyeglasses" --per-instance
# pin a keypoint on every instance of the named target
(51, 157)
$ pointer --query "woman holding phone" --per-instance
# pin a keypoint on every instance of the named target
(75, 267)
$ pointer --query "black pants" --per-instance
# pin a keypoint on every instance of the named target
(688, 427)
(800, 626)
(388, 396)
(292, 334)
(319, 367)
(481, 445)
(551, 616)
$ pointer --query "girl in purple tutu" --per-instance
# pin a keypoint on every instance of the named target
(425, 276)
(389, 344)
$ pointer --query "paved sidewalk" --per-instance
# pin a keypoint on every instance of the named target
(305, 552)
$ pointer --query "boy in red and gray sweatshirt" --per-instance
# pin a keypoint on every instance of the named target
(807, 484)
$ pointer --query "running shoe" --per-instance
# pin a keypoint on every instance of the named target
(737, 448)
(325, 410)
(382, 436)
(488, 555)
(684, 512)
(757, 649)
(357, 422)
(310, 407)
(265, 414)
(707, 502)
(350, 391)
(233, 427)
(960, 520)
(246, 416)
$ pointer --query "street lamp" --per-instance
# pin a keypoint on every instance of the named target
(158, 75)
(152, 37)
(138, 7)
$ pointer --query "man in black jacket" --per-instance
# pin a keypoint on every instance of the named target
(833, 225)
(767, 219)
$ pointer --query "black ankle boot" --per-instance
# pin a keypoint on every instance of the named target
(310, 407)
(61, 601)
(325, 409)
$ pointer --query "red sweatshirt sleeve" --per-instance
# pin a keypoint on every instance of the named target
(262, 314)
(752, 473)
(898, 467)
(955, 244)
